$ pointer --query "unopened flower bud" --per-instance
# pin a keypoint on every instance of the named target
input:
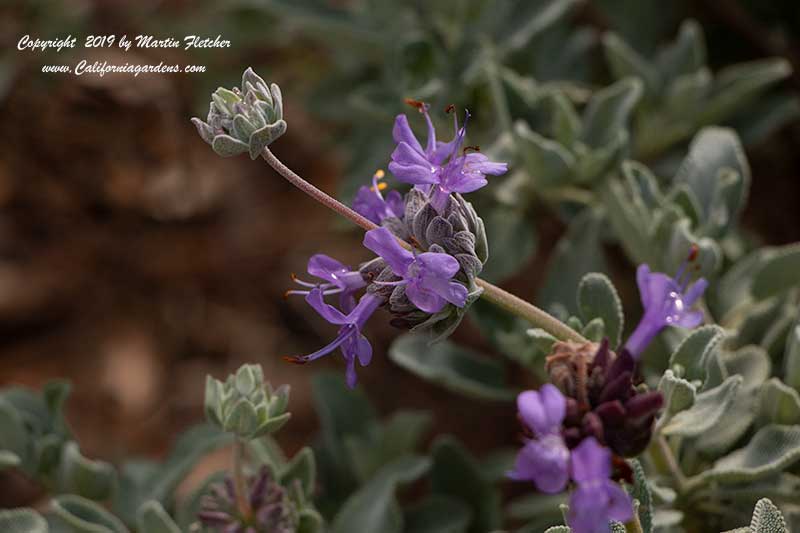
(244, 405)
(245, 120)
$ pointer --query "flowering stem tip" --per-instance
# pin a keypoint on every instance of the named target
(503, 299)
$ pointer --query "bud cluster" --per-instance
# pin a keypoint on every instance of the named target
(243, 120)
(246, 406)
(602, 400)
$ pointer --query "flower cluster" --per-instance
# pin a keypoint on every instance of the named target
(430, 246)
(271, 510)
(593, 414)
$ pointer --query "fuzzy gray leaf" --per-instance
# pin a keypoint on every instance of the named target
(706, 411)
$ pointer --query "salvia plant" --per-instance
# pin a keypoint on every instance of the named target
(686, 418)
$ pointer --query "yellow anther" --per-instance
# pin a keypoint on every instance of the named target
(379, 174)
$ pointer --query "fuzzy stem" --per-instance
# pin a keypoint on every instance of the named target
(519, 307)
(318, 195)
(633, 525)
(503, 299)
(665, 453)
(239, 481)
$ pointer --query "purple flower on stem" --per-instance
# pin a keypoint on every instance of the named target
(545, 459)
(338, 277)
(410, 162)
(427, 277)
(427, 170)
(667, 302)
(353, 345)
(370, 203)
(597, 499)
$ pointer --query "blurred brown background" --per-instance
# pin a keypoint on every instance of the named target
(134, 261)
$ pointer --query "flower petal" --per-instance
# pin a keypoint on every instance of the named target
(545, 463)
(479, 163)
(689, 319)
(695, 291)
(350, 372)
(382, 242)
(425, 299)
(401, 133)
(442, 151)
(406, 155)
(326, 311)
(588, 510)
(325, 267)
(620, 506)
(590, 461)
(440, 265)
(452, 291)
(413, 174)
(367, 204)
(555, 404)
(395, 204)
(363, 350)
(532, 411)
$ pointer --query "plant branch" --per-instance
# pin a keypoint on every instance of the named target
(492, 293)
(633, 525)
(665, 452)
(239, 482)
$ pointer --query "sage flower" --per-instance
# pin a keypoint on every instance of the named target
(597, 499)
(370, 203)
(545, 458)
(339, 279)
(427, 170)
(427, 277)
(412, 163)
(352, 343)
(667, 302)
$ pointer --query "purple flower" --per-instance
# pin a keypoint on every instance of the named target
(340, 280)
(427, 170)
(410, 162)
(545, 459)
(427, 277)
(597, 498)
(667, 302)
(370, 203)
(350, 341)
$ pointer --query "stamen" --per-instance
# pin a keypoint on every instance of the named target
(450, 108)
(377, 187)
(345, 333)
(306, 283)
(474, 148)
(390, 283)
(694, 250)
(415, 103)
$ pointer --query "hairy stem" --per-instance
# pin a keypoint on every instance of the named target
(633, 525)
(503, 299)
(519, 307)
(239, 481)
(665, 454)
